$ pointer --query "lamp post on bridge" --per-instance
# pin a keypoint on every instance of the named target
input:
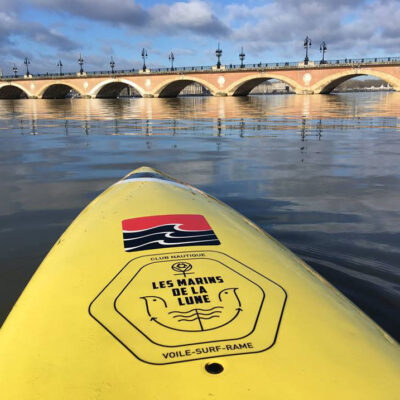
(307, 44)
(323, 49)
(171, 58)
(15, 70)
(27, 62)
(144, 56)
(112, 65)
(241, 57)
(60, 65)
(80, 62)
(218, 53)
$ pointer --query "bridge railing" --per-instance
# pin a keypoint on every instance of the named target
(229, 67)
(360, 61)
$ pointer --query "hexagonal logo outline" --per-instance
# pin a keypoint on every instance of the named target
(105, 311)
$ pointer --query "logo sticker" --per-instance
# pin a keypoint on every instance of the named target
(163, 231)
(185, 306)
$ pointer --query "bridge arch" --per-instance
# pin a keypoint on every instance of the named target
(172, 87)
(243, 86)
(57, 90)
(111, 88)
(326, 85)
(13, 91)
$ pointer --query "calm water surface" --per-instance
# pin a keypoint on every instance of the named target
(320, 173)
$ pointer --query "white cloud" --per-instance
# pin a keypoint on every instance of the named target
(196, 16)
(349, 27)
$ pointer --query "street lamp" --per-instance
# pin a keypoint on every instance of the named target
(60, 65)
(27, 62)
(171, 58)
(241, 57)
(307, 44)
(15, 70)
(144, 56)
(80, 62)
(323, 49)
(218, 53)
(112, 65)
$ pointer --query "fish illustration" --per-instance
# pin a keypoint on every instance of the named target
(195, 319)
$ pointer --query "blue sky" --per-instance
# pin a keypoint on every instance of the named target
(49, 30)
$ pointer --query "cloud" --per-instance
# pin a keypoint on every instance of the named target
(349, 27)
(117, 12)
(194, 16)
(11, 26)
(50, 37)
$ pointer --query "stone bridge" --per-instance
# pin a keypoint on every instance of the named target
(225, 81)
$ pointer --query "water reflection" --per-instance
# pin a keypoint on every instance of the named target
(320, 173)
(160, 116)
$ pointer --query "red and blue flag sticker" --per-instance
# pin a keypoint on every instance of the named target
(164, 231)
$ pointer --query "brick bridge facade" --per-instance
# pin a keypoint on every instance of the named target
(318, 79)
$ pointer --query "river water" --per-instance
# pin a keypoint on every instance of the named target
(319, 173)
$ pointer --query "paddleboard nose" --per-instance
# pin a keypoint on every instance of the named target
(144, 168)
(146, 172)
(151, 175)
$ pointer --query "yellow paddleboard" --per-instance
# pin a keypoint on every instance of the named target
(158, 291)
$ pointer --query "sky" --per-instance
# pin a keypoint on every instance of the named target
(47, 31)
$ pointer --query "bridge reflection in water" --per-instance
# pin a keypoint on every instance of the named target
(253, 115)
